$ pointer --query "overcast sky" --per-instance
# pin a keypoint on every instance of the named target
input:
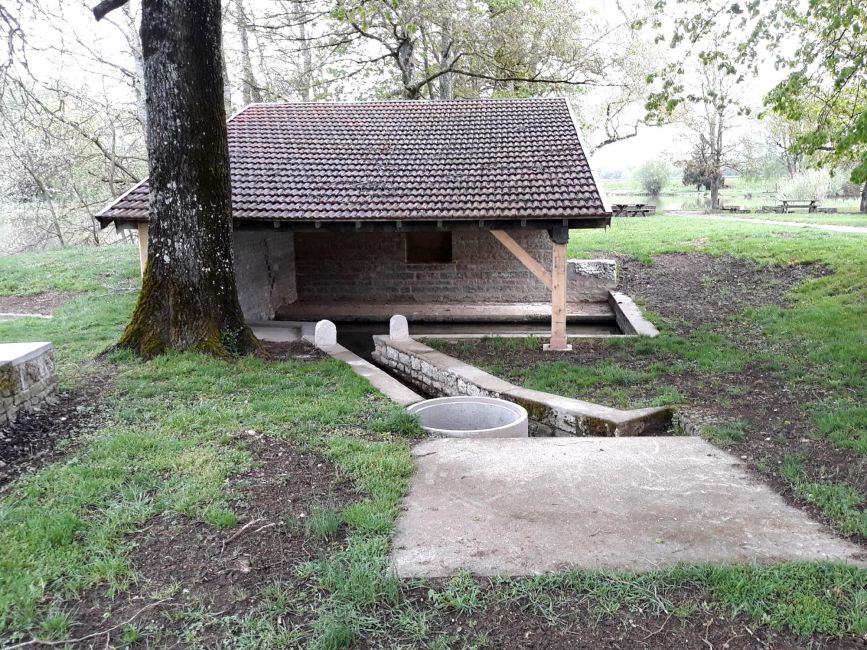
(669, 142)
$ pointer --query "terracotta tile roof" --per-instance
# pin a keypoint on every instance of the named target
(403, 160)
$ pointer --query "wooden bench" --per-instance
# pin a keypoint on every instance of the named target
(735, 209)
(809, 206)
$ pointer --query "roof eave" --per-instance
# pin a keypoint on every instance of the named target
(105, 220)
(606, 205)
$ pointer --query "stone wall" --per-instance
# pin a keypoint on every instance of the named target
(265, 271)
(438, 374)
(372, 267)
(26, 378)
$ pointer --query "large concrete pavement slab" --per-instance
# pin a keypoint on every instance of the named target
(527, 506)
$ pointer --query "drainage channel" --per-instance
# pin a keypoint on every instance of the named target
(357, 336)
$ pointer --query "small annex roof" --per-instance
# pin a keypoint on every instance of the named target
(504, 159)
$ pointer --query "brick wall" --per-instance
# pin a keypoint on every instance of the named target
(373, 267)
(26, 379)
(265, 271)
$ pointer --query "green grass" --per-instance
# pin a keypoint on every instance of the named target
(322, 522)
(843, 504)
(859, 220)
(747, 194)
(173, 441)
(728, 433)
(74, 270)
(86, 325)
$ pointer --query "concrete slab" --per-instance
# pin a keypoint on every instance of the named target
(528, 506)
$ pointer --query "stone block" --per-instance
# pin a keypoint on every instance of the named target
(325, 333)
(398, 328)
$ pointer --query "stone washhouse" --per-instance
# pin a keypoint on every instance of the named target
(452, 210)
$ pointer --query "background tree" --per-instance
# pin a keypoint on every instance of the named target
(188, 298)
(821, 45)
(710, 115)
(654, 176)
(700, 171)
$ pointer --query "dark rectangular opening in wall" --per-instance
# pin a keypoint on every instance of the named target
(428, 247)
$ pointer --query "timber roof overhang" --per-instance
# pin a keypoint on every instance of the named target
(414, 165)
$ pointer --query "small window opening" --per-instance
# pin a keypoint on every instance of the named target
(428, 247)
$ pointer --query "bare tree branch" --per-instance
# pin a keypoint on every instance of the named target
(107, 6)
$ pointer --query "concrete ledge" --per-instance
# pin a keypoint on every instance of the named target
(442, 312)
(551, 415)
(381, 381)
(14, 354)
(629, 318)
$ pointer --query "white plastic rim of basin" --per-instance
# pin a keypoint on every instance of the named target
(471, 417)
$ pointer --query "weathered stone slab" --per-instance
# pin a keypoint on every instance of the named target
(528, 506)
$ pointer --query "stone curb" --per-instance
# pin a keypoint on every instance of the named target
(438, 373)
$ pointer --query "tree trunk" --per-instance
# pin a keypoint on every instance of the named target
(406, 64)
(714, 194)
(188, 299)
(306, 81)
(446, 81)
(249, 87)
(863, 206)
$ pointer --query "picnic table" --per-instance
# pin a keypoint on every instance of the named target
(632, 209)
(809, 205)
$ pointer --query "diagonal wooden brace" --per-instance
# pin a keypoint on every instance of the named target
(523, 256)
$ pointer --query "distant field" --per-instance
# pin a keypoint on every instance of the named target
(749, 195)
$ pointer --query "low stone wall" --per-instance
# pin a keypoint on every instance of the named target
(438, 374)
(26, 377)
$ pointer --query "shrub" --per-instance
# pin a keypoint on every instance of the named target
(816, 184)
(653, 176)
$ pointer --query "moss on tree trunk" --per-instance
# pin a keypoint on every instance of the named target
(188, 299)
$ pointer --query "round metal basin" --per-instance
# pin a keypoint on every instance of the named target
(471, 417)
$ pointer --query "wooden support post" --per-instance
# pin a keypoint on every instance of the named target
(559, 342)
(143, 245)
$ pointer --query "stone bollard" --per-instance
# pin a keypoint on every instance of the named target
(325, 333)
(398, 328)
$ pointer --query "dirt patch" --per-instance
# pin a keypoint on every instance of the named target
(39, 436)
(515, 626)
(185, 565)
(43, 304)
(692, 290)
(300, 350)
